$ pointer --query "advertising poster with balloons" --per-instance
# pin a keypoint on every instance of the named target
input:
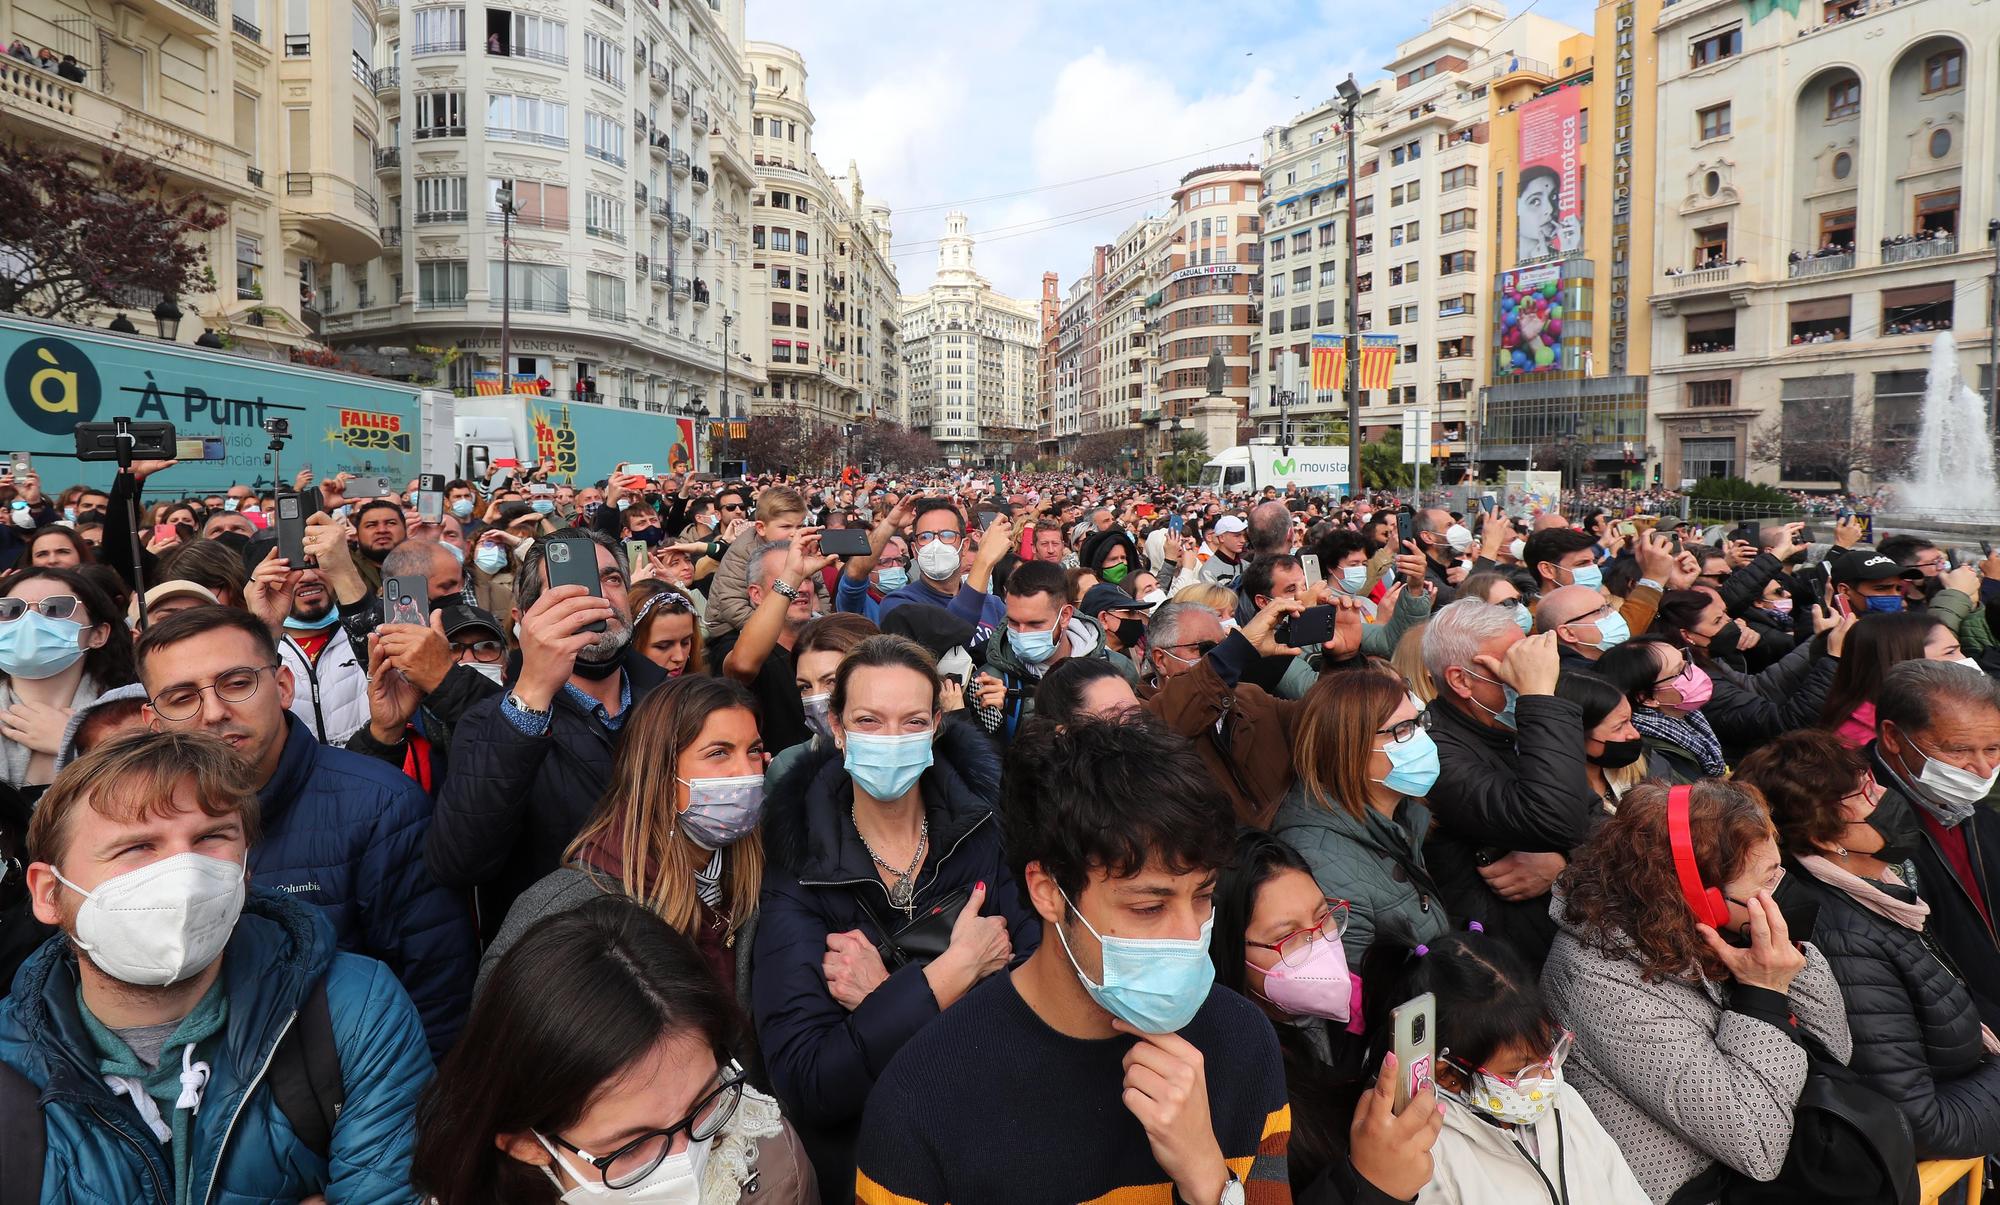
(1530, 338)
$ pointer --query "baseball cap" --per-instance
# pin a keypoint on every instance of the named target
(513, 512)
(175, 589)
(1864, 566)
(1106, 597)
(1229, 525)
(458, 618)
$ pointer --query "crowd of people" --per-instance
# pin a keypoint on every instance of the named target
(64, 65)
(952, 838)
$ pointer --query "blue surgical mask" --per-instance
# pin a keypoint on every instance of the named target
(1413, 765)
(229, 504)
(1155, 985)
(1506, 713)
(1524, 619)
(35, 646)
(886, 767)
(69, 514)
(456, 552)
(1612, 631)
(461, 507)
(1036, 647)
(491, 558)
(624, 504)
(892, 580)
(321, 624)
(1354, 578)
(542, 506)
(1885, 602)
(1587, 575)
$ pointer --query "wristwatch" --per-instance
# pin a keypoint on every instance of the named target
(1232, 1192)
(785, 588)
(540, 713)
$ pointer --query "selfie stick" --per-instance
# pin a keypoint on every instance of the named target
(122, 436)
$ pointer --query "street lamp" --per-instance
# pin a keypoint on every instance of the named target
(722, 404)
(1350, 104)
(168, 315)
(504, 198)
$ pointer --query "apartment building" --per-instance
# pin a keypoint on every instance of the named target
(266, 108)
(973, 359)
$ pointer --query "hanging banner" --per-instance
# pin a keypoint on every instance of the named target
(681, 456)
(1329, 361)
(1530, 320)
(1546, 210)
(1378, 360)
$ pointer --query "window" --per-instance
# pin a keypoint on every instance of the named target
(437, 31)
(1326, 314)
(534, 288)
(781, 314)
(1944, 70)
(607, 296)
(440, 199)
(602, 61)
(527, 119)
(1711, 393)
(799, 242)
(1278, 286)
(1409, 354)
(1937, 211)
(441, 284)
(1454, 349)
(439, 115)
(1843, 98)
(1710, 333)
(540, 38)
(1715, 47)
(781, 240)
(1701, 458)
(1919, 308)
(1410, 232)
(1713, 121)
(757, 237)
(1453, 306)
(1302, 242)
(1329, 274)
(249, 266)
(1711, 243)
(603, 138)
(543, 206)
(601, 214)
(1821, 320)
(1456, 178)
(1940, 143)
(1843, 166)
(1364, 206)
(1277, 248)
(1836, 229)
(1819, 412)
(1457, 261)
(1414, 188)
(757, 126)
(1457, 220)
(1302, 278)
(1301, 317)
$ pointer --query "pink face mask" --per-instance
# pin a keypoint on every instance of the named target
(1694, 686)
(1318, 987)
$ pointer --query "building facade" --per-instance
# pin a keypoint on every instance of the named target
(1045, 393)
(1583, 407)
(266, 108)
(1207, 297)
(1422, 207)
(616, 130)
(1822, 217)
(972, 358)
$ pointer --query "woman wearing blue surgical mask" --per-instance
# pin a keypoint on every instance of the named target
(1365, 762)
(676, 830)
(603, 1063)
(62, 643)
(887, 895)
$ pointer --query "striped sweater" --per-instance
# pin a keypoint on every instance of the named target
(989, 1105)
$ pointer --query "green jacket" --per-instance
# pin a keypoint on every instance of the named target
(1376, 864)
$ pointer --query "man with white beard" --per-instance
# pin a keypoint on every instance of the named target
(527, 766)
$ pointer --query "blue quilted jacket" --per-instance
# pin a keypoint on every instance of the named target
(100, 1152)
(345, 833)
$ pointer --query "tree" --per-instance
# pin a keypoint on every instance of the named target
(1818, 442)
(1382, 466)
(1104, 451)
(910, 450)
(1183, 465)
(75, 235)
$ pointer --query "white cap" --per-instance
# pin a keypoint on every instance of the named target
(1229, 525)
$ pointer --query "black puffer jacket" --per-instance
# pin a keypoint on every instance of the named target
(1916, 1032)
(1743, 718)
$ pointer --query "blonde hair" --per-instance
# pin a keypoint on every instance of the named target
(635, 818)
(1213, 595)
(1409, 662)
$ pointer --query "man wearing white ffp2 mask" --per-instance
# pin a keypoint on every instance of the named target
(172, 986)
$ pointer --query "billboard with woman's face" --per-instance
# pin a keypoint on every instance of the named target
(1547, 207)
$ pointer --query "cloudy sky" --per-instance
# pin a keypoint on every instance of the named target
(1056, 123)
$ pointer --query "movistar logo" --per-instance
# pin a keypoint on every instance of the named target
(1287, 465)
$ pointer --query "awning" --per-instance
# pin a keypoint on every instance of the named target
(1930, 294)
(1718, 320)
(1821, 310)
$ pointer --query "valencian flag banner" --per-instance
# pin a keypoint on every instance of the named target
(487, 384)
(1329, 361)
(1378, 360)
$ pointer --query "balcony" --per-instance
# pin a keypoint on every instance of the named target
(680, 161)
(639, 49)
(683, 225)
(51, 107)
(1700, 279)
(700, 175)
(659, 142)
(660, 210)
(616, 6)
(246, 29)
(681, 99)
(529, 53)
(662, 275)
(659, 76)
(603, 229)
(701, 293)
(389, 159)
(337, 212)
(1919, 246)
(528, 221)
(641, 265)
(1821, 263)
(434, 131)
(682, 287)
(532, 137)
(640, 192)
(439, 217)
(640, 124)
(255, 175)
(603, 155)
(447, 46)
(387, 79)
(392, 236)
(698, 119)
(701, 237)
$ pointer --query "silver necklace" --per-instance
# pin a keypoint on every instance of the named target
(905, 888)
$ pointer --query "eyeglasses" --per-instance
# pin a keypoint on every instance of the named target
(1294, 947)
(731, 506)
(1202, 648)
(1589, 618)
(1406, 729)
(925, 537)
(487, 651)
(1542, 1070)
(55, 606)
(178, 703)
(1770, 884)
(636, 1160)
(890, 562)
(1510, 603)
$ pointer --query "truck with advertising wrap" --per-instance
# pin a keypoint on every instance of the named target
(1248, 468)
(55, 376)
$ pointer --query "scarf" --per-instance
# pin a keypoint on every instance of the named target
(1692, 734)
(178, 1085)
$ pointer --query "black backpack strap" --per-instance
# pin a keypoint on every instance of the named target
(23, 1141)
(305, 1075)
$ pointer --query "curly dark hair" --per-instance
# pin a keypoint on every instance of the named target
(1804, 776)
(1620, 892)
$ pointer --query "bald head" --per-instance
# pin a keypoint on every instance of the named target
(1270, 529)
(1550, 519)
(1566, 605)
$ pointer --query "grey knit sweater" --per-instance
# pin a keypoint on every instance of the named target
(1677, 1079)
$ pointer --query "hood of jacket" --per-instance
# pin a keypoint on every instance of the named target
(1084, 635)
(806, 827)
(279, 947)
(117, 694)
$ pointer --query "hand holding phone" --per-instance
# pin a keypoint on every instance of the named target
(844, 542)
(1413, 1024)
(572, 561)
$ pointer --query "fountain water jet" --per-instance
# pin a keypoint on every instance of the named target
(1951, 478)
